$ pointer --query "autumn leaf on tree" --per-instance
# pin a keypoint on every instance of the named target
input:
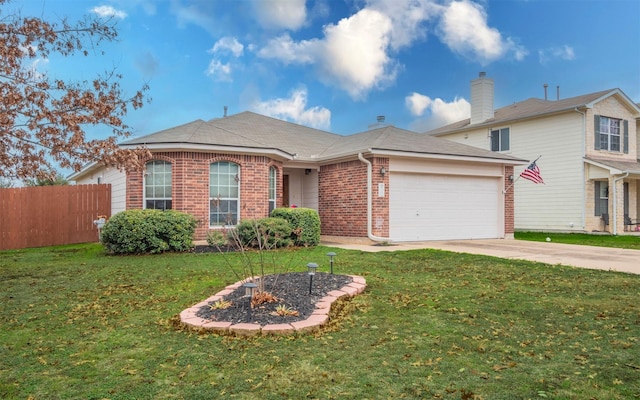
(43, 120)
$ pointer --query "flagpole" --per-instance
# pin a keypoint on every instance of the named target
(517, 179)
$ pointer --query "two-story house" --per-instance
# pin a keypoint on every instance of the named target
(588, 146)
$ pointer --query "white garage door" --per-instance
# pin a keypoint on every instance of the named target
(438, 207)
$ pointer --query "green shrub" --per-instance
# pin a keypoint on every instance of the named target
(148, 231)
(218, 238)
(305, 224)
(265, 233)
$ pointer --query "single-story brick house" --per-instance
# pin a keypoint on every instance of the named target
(386, 183)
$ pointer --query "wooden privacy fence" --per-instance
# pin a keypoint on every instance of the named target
(51, 215)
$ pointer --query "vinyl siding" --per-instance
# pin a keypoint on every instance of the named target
(118, 183)
(558, 139)
(559, 203)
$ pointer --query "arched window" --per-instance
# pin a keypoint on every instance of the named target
(157, 185)
(224, 193)
(272, 188)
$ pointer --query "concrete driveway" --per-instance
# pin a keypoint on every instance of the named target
(604, 258)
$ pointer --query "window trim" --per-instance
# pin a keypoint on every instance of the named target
(230, 199)
(623, 135)
(609, 133)
(145, 197)
(499, 133)
(273, 188)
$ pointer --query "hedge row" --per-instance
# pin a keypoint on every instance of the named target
(155, 231)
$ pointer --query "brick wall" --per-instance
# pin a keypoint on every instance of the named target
(190, 185)
(343, 199)
(380, 205)
(509, 215)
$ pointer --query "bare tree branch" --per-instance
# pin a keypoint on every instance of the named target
(43, 121)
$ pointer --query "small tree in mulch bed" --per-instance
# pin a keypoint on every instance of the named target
(254, 241)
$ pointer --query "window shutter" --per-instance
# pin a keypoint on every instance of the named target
(625, 139)
(596, 132)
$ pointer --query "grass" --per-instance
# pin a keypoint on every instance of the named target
(618, 241)
(431, 324)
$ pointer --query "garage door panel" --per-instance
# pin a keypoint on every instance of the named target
(436, 207)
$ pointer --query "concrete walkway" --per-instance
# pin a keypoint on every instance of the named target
(603, 258)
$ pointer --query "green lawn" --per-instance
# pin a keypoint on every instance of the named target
(619, 241)
(431, 324)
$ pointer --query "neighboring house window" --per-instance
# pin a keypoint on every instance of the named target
(224, 193)
(272, 189)
(611, 134)
(500, 139)
(601, 198)
(157, 185)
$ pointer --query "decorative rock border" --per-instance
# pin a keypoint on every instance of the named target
(318, 318)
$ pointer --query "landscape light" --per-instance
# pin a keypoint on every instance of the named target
(312, 267)
(331, 254)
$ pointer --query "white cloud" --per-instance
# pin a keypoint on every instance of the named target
(408, 18)
(284, 49)
(355, 53)
(561, 52)
(440, 112)
(352, 55)
(219, 71)
(108, 11)
(294, 109)
(281, 14)
(229, 44)
(463, 27)
(417, 103)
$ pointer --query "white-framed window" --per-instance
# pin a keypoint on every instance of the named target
(609, 130)
(224, 193)
(273, 173)
(500, 140)
(157, 185)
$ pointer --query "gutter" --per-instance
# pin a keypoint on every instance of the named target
(370, 201)
(615, 202)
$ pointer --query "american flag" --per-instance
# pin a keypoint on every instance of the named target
(532, 173)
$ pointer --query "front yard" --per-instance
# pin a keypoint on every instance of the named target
(431, 324)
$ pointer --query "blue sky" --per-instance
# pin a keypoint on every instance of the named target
(337, 64)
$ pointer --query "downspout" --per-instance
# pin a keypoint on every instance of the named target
(584, 154)
(615, 202)
(370, 201)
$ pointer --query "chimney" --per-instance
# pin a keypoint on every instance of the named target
(558, 92)
(380, 119)
(481, 99)
(546, 86)
(225, 111)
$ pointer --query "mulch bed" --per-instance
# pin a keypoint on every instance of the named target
(213, 249)
(291, 290)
